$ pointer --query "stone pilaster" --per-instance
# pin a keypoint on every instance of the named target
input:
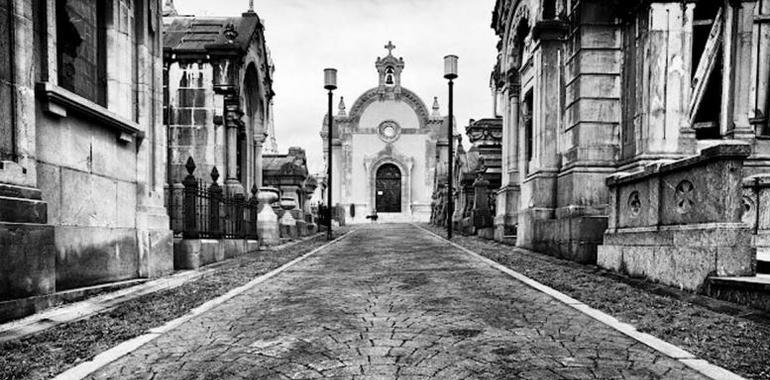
(155, 238)
(26, 239)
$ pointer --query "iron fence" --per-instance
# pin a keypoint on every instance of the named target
(199, 210)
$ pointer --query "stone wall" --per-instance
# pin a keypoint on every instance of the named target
(84, 179)
(680, 222)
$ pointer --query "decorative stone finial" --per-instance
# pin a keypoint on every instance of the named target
(341, 107)
(251, 6)
(214, 174)
(190, 165)
(230, 32)
(435, 107)
(169, 10)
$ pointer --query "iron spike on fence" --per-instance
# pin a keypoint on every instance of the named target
(253, 211)
(215, 199)
(190, 195)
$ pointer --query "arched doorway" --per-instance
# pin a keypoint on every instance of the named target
(388, 189)
(251, 158)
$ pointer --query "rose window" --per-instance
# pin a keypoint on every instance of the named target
(389, 131)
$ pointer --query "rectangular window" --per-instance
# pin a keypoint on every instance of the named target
(707, 54)
(81, 48)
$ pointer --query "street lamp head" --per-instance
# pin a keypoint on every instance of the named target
(450, 67)
(330, 79)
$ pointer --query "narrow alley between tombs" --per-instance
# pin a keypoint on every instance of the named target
(394, 301)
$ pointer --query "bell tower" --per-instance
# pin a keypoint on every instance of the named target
(389, 69)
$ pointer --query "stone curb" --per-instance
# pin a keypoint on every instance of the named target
(83, 309)
(87, 368)
(701, 366)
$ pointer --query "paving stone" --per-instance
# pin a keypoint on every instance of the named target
(391, 302)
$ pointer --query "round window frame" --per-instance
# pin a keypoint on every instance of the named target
(396, 131)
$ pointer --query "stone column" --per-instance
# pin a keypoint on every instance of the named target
(232, 184)
(507, 197)
(669, 64)
(761, 69)
(741, 26)
(259, 141)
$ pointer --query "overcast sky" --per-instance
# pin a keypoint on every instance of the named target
(306, 36)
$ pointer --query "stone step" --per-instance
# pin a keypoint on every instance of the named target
(22, 307)
(751, 291)
(509, 239)
(763, 260)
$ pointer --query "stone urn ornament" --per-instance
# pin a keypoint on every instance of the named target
(267, 220)
(288, 224)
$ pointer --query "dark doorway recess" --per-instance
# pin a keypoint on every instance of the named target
(388, 189)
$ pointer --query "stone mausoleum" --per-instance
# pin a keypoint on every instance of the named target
(635, 133)
(385, 150)
(82, 148)
(219, 96)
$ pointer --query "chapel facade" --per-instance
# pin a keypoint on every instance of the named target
(385, 150)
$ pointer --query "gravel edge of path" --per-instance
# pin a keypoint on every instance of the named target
(725, 334)
(44, 355)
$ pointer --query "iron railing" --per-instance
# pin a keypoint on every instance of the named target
(199, 210)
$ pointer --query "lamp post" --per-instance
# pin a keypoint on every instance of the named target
(450, 72)
(330, 83)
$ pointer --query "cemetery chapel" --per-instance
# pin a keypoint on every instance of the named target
(385, 150)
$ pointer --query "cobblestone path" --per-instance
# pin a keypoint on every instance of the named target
(392, 302)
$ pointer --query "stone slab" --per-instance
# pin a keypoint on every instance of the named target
(28, 257)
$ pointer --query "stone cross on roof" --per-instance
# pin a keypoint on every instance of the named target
(390, 47)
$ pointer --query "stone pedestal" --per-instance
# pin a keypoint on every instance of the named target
(505, 221)
(267, 226)
(267, 220)
(288, 226)
(288, 222)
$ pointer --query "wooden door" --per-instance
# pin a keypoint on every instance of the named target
(388, 189)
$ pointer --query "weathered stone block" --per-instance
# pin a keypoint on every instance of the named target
(232, 248)
(28, 255)
(609, 257)
(212, 251)
(83, 198)
(187, 253)
(23, 210)
(157, 247)
(93, 255)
